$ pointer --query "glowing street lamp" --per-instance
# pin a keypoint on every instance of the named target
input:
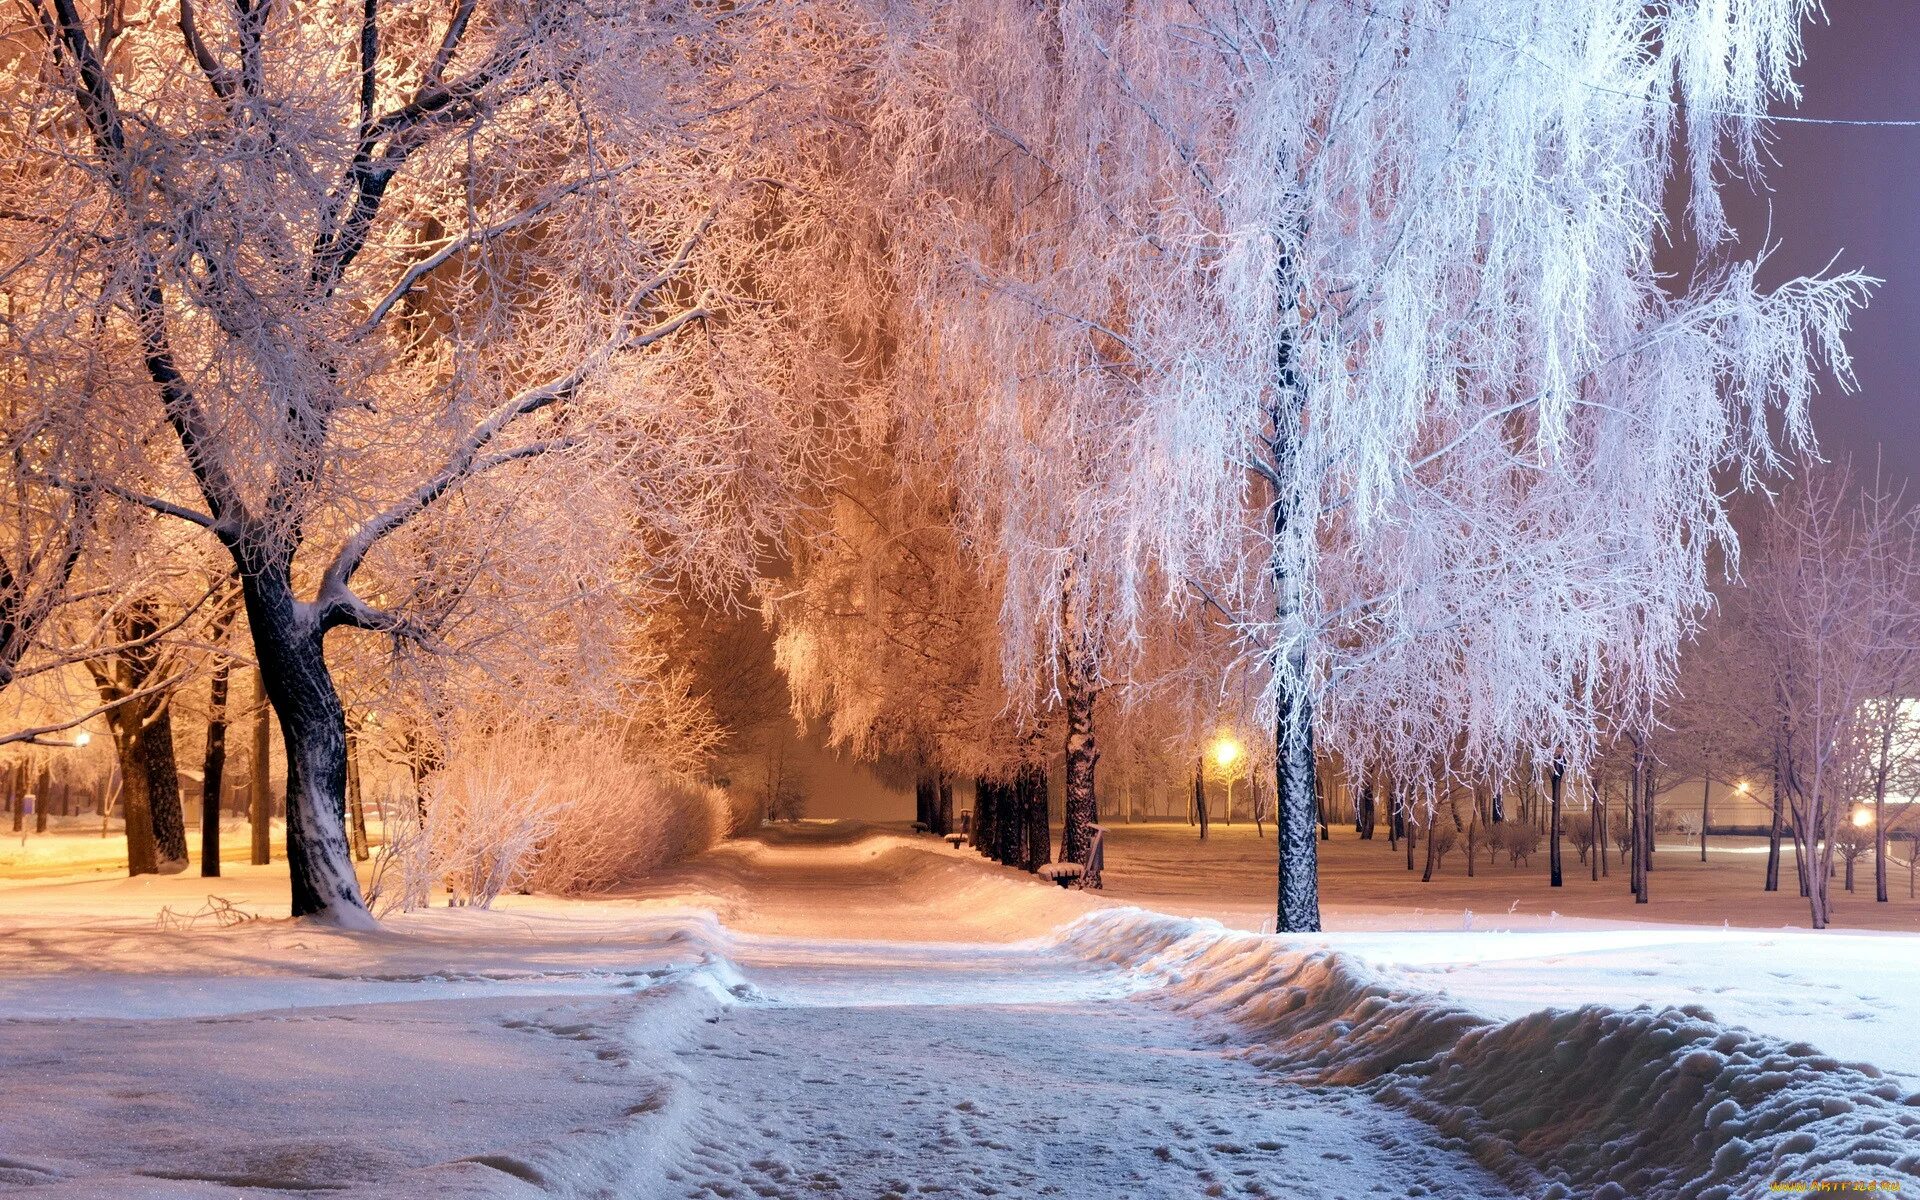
(1862, 817)
(1226, 752)
(82, 738)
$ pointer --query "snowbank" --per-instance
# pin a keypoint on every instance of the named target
(1649, 1103)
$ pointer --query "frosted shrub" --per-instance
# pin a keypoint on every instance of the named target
(520, 809)
(623, 817)
(403, 865)
(488, 813)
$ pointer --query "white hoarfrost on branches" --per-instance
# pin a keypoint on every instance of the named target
(417, 312)
(518, 807)
(1356, 307)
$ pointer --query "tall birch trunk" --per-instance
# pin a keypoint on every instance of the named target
(1082, 756)
(1299, 868)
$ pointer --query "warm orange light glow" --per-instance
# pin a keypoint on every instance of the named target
(1225, 751)
(82, 738)
(1862, 818)
(1742, 787)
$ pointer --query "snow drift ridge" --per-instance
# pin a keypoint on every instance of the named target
(1592, 1101)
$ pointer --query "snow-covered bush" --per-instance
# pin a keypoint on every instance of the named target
(622, 817)
(522, 808)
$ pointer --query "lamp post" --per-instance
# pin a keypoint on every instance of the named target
(1225, 752)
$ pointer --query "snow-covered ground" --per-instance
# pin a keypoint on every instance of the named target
(835, 1011)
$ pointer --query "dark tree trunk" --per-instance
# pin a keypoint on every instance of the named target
(1426, 876)
(1653, 813)
(983, 832)
(1773, 835)
(1083, 755)
(213, 771)
(1037, 843)
(131, 747)
(1880, 813)
(259, 807)
(1706, 811)
(1012, 824)
(1363, 819)
(1499, 807)
(923, 800)
(163, 795)
(42, 798)
(1553, 839)
(356, 807)
(290, 645)
(1643, 831)
(1407, 831)
(1200, 796)
(1802, 849)
(1594, 831)
(943, 808)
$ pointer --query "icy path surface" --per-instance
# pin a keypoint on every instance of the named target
(877, 1068)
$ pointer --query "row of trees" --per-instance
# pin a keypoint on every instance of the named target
(1051, 373)
(1808, 677)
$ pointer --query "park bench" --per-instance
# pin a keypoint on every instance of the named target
(1080, 874)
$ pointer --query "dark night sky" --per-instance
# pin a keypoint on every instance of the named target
(1855, 192)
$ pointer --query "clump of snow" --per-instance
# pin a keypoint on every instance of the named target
(1592, 1101)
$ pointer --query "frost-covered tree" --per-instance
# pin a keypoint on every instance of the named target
(1837, 581)
(1363, 299)
(360, 267)
(887, 636)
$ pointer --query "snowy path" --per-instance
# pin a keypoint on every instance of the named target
(1049, 1097)
(877, 1068)
(831, 1011)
